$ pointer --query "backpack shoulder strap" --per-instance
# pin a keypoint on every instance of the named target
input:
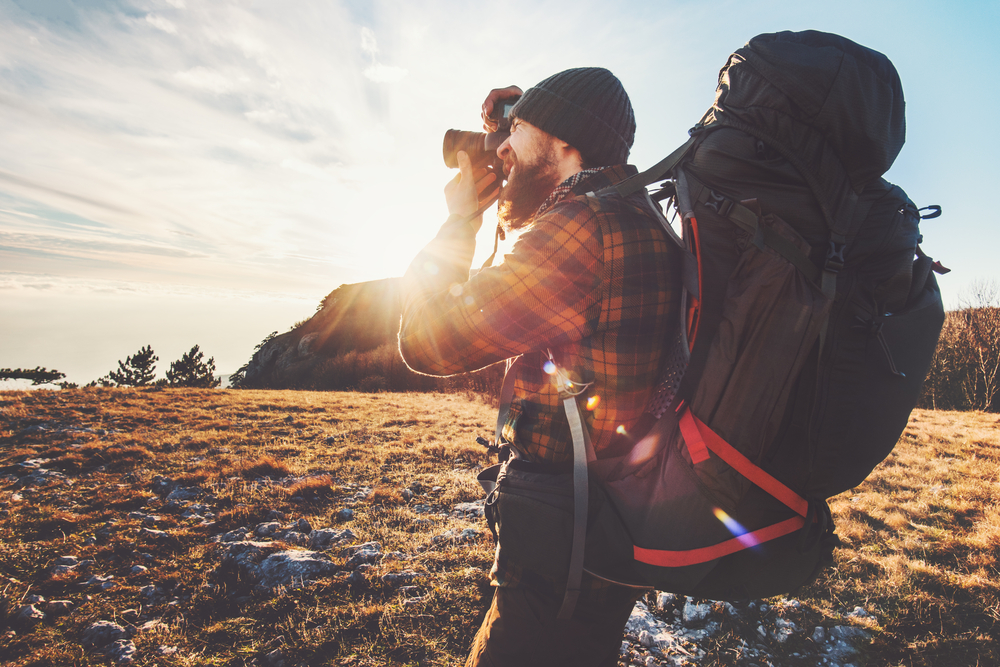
(657, 172)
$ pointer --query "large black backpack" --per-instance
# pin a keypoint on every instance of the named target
(810, 319)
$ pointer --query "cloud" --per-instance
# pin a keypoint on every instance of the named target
(161, 23)
(203, 78)
(378, 72)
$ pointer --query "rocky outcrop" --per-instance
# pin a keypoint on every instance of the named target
(357, 317)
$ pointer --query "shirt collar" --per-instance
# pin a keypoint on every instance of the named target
(586, 181)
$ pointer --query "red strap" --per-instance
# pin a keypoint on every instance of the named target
(692, 437)
(705, 554)
(743, 465)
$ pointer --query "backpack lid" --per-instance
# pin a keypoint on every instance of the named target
(851, 94)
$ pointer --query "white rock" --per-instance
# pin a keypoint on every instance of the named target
(819, 634)
(642, 621)
(121, 650)
(58, 606)
(28, 616)
(695, 613)
(292, 568)
(267, 529)
(664, 600)
(102, 633)
(324, 538)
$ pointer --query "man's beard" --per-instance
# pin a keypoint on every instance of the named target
(528, 188)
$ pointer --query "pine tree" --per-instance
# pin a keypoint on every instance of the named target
(37, 375)
(136, 371)
(191, 371)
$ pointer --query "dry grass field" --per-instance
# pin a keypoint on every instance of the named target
(110, 500)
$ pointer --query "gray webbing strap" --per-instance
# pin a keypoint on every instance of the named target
(581, 492)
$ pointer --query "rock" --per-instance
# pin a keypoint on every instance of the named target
(149, 592)
(98, 580)
(275, 515)
(783, 629)
(67, 561)
(398, 579)
(163, 485)
(407, 494)
(166, 650)
(469, 510)
(153, 534)
(467, 535)
(292, 569)
(345, 514)
(33, 599)
(819, 634)
(324, 538)
(642, 621)
(859, 612)
(694, 614)
(139, 569)
(121, 650)
(664, 600)
(849, 633)
(367, 553)
(267, 529)
(238, 535)
(56, 607)
(27, 616)
(100, 634)
(292, 537)
(182, 493)
(303, 526)
(130, 615)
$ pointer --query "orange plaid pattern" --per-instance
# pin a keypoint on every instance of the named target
(592, 281)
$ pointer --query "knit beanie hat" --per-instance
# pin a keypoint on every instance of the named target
(587, 108)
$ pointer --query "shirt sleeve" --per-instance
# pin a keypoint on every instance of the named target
(545, 293)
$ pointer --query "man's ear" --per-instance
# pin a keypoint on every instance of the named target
(571, 160)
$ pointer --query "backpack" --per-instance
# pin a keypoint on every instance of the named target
(809, 320)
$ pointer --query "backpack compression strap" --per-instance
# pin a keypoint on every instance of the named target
(700, 440)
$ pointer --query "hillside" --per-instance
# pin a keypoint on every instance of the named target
(352, 318)
(182, 527)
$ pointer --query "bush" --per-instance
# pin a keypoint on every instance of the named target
(191, 371)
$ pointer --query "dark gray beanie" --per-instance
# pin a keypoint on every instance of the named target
(587, 108)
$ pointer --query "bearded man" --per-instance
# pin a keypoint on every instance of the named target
(586, 296)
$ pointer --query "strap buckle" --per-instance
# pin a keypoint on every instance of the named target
(835, 256)
(718, 203)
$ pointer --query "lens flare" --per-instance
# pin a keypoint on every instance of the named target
(593, 402)
(549, 367)
(621, 430)
(741, 534)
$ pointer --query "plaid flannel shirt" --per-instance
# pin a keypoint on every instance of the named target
(588, 292)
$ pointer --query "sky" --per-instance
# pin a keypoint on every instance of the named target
(175, 172)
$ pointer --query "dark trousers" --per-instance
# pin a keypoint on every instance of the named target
(521, 629)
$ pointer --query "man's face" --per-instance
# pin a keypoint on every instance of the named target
(530, 163)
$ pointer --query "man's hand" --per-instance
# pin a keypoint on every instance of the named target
(495, 95)
(464, 193)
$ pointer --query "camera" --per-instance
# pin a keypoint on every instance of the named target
(481, 146)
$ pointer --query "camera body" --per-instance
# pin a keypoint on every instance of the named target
(481, 146)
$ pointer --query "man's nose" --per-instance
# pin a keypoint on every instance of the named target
(503, 149)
